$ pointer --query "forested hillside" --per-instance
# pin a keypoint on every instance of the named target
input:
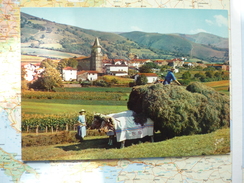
(38, 33)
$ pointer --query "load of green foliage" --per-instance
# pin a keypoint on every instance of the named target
(178, 110)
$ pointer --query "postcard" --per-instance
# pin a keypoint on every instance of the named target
(119, 83)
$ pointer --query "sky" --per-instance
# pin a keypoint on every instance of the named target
(153, 20)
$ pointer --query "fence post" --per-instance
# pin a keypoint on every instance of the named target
(37, 129)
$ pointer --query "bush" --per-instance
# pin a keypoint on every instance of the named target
(141, 80)
(177, 110)
(101, 83)
(85, 83)
(185, 81)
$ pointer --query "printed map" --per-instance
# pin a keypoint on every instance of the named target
(13, 169)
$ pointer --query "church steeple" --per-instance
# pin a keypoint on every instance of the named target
(96, 43)
(96, 57)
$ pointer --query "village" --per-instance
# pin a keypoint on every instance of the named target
(90, 68)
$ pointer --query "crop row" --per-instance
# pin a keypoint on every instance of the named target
(52, 122)
(72, 95)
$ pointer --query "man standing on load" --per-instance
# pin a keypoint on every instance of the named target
(170, 77)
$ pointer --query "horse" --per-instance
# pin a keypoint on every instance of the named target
(123, 125)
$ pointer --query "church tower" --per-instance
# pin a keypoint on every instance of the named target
(96, 57)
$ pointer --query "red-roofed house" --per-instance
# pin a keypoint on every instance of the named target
(87, 75)
(219, 66)
(69, 74)
(138, 62)
(151, 77)
(161, 62)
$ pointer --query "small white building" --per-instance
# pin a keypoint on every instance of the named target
(29, 75)
(69, 74)
(32, 71)
(117, 70)
(138, 62)
(87, 75)
(151, 77)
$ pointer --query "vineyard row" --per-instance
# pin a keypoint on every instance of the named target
(51, 123)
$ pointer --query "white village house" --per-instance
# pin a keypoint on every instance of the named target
(116, 70)
(69, 74)
(138, 62)
(32, 71)
(151, 77)
(87, 75)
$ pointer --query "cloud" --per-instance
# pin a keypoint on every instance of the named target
(221, 20)
(197, 31)
(209, 22)
(135, 28)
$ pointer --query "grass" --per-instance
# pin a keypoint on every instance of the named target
(95, 147)
(32, 59)
(50, 53)
(220, 86)
(57, 106)
(120, 80)
(96, 89)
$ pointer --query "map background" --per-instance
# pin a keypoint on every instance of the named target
(194, 169)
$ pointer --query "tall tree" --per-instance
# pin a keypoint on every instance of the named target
(50, 78)
(145, 69)
(62, 64)
(48, 63)
(72, 62)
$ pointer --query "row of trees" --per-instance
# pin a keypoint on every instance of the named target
(204, 76)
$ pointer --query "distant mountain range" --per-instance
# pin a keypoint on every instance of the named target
(42, 34)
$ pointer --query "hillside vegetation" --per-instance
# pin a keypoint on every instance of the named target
(40, 33)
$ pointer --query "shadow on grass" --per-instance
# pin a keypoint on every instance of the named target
(88, 144)
(101, 144)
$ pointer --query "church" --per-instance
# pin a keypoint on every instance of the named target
(94, 62)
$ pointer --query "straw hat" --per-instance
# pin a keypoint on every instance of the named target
(82, 110)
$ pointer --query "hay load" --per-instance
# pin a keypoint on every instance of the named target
(176, 110)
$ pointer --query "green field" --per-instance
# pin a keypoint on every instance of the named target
(57, 106)
(96, 89)
(220, 86)
(95, 147)
(49, 53)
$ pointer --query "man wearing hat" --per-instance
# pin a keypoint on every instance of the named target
(170, 77)
(81, 125)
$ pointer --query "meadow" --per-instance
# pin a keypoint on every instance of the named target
(95, 147)
(55, 106)
(110, 100)
(49, 53)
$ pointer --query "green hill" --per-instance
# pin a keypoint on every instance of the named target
(181, 45)
(47, 35)
(208, 39)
